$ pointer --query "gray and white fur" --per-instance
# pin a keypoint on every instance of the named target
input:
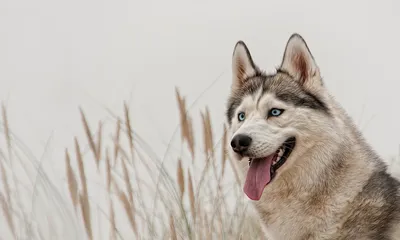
(332, 185)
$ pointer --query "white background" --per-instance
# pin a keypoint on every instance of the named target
(58, 55)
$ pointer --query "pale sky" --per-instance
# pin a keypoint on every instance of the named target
(58, 55)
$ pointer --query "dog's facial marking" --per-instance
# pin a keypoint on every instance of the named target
(248, 88)
(284, 88)
(261, 117)
(289, 90)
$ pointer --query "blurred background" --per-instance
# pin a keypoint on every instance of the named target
(57, 56)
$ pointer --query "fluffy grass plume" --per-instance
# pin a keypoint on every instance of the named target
(137, 195)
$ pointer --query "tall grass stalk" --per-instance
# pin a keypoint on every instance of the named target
(137, 195)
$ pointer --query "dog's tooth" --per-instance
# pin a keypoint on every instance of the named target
(280, 154)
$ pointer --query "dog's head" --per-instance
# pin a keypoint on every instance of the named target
(273, 118)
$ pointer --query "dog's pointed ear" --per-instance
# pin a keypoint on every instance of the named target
(242, 65)
(299, 62)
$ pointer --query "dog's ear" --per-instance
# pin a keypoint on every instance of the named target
(243, 66)
(299, 62)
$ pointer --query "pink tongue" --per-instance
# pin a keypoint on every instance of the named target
(258, 177)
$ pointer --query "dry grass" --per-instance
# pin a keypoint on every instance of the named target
(143, 198)
(195, 195)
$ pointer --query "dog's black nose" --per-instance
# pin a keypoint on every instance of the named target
(240, 143)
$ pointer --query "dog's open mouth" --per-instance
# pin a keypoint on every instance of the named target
(262, 170)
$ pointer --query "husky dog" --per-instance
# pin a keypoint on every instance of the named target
(308, 170)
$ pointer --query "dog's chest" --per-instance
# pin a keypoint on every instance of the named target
(293, 219)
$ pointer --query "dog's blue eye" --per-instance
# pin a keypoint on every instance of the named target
(241, 116)
(275, 112)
